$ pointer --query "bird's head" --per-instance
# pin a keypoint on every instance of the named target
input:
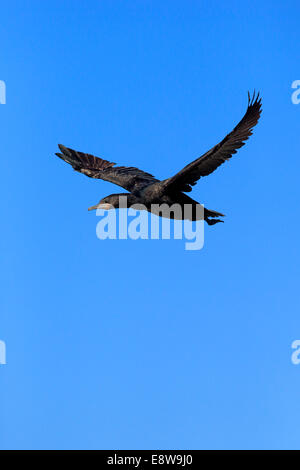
(115, 201)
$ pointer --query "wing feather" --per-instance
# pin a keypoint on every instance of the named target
(130, 178)
(211, 160)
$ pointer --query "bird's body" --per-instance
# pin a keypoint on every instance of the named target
(153, 195)
(177, 206)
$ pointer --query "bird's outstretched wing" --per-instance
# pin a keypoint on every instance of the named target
(129, 178)
(207, 163)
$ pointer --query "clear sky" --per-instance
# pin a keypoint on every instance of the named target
(142, 344)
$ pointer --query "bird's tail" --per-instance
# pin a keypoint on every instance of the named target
(209, 213)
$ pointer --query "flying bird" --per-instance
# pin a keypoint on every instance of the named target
(147, 191)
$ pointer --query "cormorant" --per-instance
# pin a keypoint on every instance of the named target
(146, 190)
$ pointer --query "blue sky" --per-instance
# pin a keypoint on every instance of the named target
(142, 344)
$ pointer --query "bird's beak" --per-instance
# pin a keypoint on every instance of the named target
(105, 206)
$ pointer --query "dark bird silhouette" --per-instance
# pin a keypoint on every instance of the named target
(148, 191)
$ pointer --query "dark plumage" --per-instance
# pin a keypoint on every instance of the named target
(145, 189)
